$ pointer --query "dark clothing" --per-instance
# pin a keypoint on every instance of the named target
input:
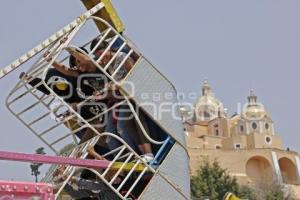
(87, 188)
(69, 94)
(77, 90)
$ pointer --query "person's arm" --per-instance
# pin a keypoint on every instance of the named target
(65, 70)
(106, 93)
(76, 194)
(33, 82)
(84, 59)
(93, 153)
(90, 185)
(60, 67)
(128, 64)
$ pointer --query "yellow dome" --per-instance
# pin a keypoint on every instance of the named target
(255, 112)
(208, 106)
(253, 109)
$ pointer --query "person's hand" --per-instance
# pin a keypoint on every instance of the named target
(109, 86)
(98, 96)
(71, 50)
(74, 180)
(74, 106)
(91, 150)
(93, 153)
(47, 56)
(106, 59)
(24, 76)
(112, 87)
(63, 40)
(60, 170)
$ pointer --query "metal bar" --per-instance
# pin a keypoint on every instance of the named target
(113, 161)
(60, 139)
(41, 63)
(46, 105)
(41, 59)
(100, 41)
(64, 184)
(43, 97)
(23, 94)
(121, 168)
(137, 180)
(26, 190)
(32, 77)
(116, 53)
(37, 158)
(50, 102)
(24, 58)
(38, 119)
(140, 123)
(71, 133)
(35, 72)
(114, 56)
(56, 125)
(112, 152)
(122, 63)
(161, 150)
(128, 167)
(107, 49)
(128, 175)
(124, 156)
(34, 132)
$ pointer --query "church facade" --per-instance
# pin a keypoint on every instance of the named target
(246, 144)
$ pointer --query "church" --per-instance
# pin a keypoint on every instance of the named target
(246, 144)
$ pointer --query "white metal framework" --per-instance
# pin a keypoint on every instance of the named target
(59, 34)
(55, 122)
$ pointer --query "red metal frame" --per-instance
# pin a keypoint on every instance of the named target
(36, 158)
(10, 190)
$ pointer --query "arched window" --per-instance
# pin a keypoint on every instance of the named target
(268, 140)
(267, 126)
(207, 115)
(217, 132)
(254, 126)
(242, 128)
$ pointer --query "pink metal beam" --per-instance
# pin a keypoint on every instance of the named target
(25, 191)
(36, 158)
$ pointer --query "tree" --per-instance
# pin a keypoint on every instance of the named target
(275, 193)
(246, 192)
(67, 149)
(35, 167)
(212, 181)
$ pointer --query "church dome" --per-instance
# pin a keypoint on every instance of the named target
(253, 109)
(208, 107)
(253, 119)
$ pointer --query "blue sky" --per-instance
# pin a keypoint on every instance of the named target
(235, 45)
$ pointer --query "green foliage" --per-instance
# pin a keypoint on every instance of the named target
(246, 192)
(66, 149)
(212, 181)
(275, 193)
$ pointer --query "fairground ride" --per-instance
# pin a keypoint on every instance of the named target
(38, 102)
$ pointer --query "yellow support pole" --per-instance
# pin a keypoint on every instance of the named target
(109, 14)
(128, 166)
(230, 196)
